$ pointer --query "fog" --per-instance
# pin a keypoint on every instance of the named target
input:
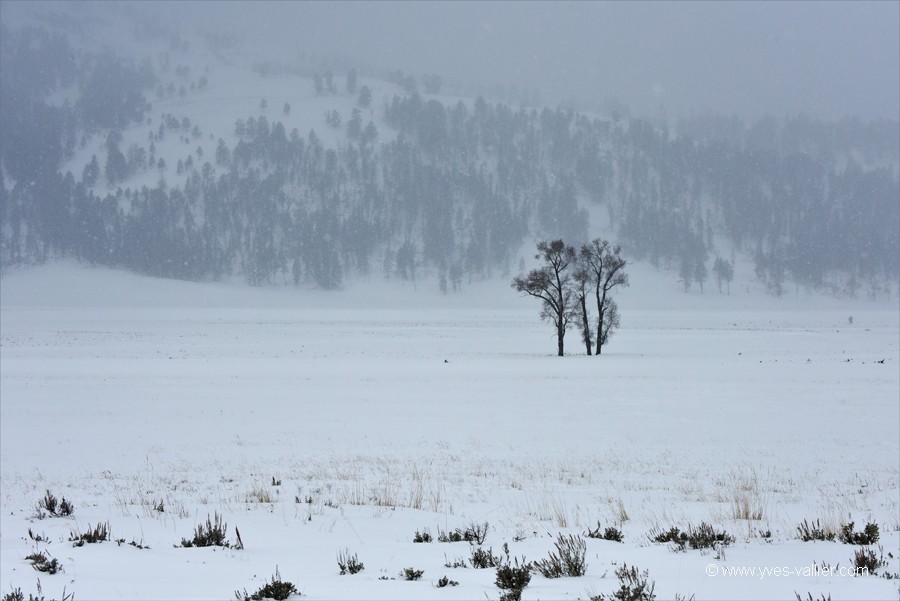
(828, 59)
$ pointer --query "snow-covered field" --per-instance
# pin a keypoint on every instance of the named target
(383, 412)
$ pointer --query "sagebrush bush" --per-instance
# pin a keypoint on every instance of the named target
(411, 573)
(455, 536)
(672, 535)
(809, 597)
(869, 535)
(17, 595)
(212, 534)
(481, 558)
(474, 533)
(634, 585)
(349, 563)
(512, 578)
(706, 537)
(867, 562)
(278, 589)
(53, 506)
(442, 582)
(422, 537)
(568, 560)
(809, 532)
(610, 533)
(457, 562)
(703, 536)
(41, 562)
(98, 534)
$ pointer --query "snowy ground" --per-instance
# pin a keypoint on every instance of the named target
(119, 392)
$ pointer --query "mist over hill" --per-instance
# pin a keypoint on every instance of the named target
(136, 141)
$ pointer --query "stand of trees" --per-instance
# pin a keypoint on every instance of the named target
(450, 194)
(566, 278)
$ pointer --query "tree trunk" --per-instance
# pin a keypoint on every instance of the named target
(585, 325)
(600, 334)
(560, 335)
(601, 309)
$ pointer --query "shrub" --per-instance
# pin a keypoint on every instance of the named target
(866, 562)
(634, 585)
(613, 534)
(512, 577)
(869, 535)
(450, 537)
(17, 595)
(459, 562)
(568, 560)
(349, 563)
(54, 507)
(672, 535)
(277, 589)
(411, 573)
(706, 537)
(476, 533)
(807, 532)
(422, 537)
(442, 582)
(809, 597)
(99, 534)
(210, 535)
(42, 563)
(473, 533)
(703, 536)
(481, 559)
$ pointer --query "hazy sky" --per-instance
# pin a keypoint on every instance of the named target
(825, 58)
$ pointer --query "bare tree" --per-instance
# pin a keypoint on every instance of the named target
(552, 284)
(606, 266)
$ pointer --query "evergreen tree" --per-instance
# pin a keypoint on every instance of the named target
(365, 97)
(91, 172)
(723, 271)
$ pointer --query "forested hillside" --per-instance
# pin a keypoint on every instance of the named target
(411, 184)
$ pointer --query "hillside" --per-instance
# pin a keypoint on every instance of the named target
(192, 155)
